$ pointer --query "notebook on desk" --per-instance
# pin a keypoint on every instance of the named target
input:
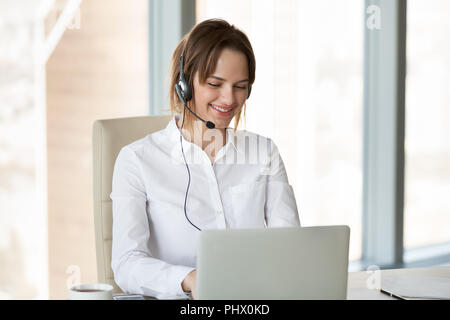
(273, 263)
(416, 287)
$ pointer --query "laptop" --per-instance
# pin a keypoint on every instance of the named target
(273, 263)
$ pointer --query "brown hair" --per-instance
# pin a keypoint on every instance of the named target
(202, 47)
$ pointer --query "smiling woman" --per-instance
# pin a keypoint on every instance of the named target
(161, 200)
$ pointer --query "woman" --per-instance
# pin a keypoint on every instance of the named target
(197, 173)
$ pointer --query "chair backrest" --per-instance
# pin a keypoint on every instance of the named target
(109, 136)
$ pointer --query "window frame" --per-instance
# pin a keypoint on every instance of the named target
(383, 136)
(169, 21)
(384, 139)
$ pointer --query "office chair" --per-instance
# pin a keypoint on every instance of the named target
(109, 136)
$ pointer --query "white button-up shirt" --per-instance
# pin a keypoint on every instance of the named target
(154, 246)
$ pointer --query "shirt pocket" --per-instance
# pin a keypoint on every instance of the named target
(247, 205)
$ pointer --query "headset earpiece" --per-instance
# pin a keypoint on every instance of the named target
(185, 89)
(183, 83)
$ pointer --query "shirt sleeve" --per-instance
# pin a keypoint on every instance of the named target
(135, 270)
(281, 207)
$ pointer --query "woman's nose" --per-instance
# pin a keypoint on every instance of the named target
(227, 95)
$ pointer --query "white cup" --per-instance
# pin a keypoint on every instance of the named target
(91, 291)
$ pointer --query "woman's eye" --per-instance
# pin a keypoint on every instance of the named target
(218, 85)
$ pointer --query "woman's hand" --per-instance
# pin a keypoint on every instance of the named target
(189, 283)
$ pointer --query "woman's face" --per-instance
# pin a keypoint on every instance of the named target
(223, 94)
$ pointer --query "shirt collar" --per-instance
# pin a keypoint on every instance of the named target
(173, 132)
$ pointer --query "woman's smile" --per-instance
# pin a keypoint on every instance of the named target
(222, 110)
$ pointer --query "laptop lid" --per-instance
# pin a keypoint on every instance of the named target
(273, 263)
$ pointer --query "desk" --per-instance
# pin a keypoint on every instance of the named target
(358, 288)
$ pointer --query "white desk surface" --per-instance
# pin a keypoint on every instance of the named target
(360, 282)
(358, 287)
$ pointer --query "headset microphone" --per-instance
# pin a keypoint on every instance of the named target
(179, 90)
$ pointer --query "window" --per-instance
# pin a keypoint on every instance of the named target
(427, 147)
(308, 97)
(99, 69)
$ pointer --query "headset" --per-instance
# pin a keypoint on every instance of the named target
(184, 92)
